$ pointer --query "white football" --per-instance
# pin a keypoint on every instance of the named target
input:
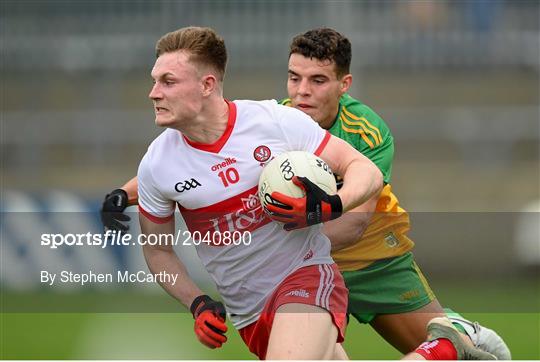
(277, 175)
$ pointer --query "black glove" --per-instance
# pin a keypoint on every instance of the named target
(210, 319)
(112, 211)
(315, 207)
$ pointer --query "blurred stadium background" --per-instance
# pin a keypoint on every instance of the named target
(456, 81)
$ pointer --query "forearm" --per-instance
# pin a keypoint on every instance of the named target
(209, 315)
(349, 228)
(361, 177)
(362, 181)
(162, 258)
(130, 188)
(165, 260)
(344, 232)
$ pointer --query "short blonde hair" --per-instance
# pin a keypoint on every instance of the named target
(204, 45)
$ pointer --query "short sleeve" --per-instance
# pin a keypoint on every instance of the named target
(152, 203)
(301, 132)
(382, 156)
(366, 131)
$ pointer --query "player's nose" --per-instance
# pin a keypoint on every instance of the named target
(303, 88)
(155, 92)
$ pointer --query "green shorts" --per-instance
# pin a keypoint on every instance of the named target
(388, 286)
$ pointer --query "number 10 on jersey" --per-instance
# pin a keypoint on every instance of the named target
(229, 176)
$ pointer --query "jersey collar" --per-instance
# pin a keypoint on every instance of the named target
(218, 145)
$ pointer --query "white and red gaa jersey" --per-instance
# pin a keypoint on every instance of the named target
(215, 189)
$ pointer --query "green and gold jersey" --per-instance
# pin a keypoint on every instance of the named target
(385, 236)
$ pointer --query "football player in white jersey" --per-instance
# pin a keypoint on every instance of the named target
(118, 200)
(282, 291)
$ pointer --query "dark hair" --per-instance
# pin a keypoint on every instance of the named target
(204, 45)
(324, 44)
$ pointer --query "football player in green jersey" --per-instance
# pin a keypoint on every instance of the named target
(369, 244)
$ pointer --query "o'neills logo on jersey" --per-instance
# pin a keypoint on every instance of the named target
(228, 161)
(302, 293)
(309, 255)
(241, 213)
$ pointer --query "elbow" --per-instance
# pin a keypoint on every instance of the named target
(355, 236)
(156, 249)
(348, 236)
(378, 180)
(148, 251)
(373, 174)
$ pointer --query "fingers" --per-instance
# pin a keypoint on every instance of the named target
(209, 341)
(116, 225)
(282, 204)
(300, 182)
(121, 216)
(115, 221)
(281, 200)
(305, 184)
(210, 330)
(291, 220)
(212, 320)
(216, 326)
(287, 203)
(290, 215)
(278, 212)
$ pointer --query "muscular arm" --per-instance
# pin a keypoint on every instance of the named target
(130, 188)
(347, 229)
(362, 180)
(163, 258)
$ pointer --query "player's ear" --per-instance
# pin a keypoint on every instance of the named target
(209, 84)
(346, 82)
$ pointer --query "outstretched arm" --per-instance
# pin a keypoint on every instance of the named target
(162, 258)
(209, 314)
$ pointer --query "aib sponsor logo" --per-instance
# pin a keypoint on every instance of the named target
(186, 185)
(248, 218)
(250, 203)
